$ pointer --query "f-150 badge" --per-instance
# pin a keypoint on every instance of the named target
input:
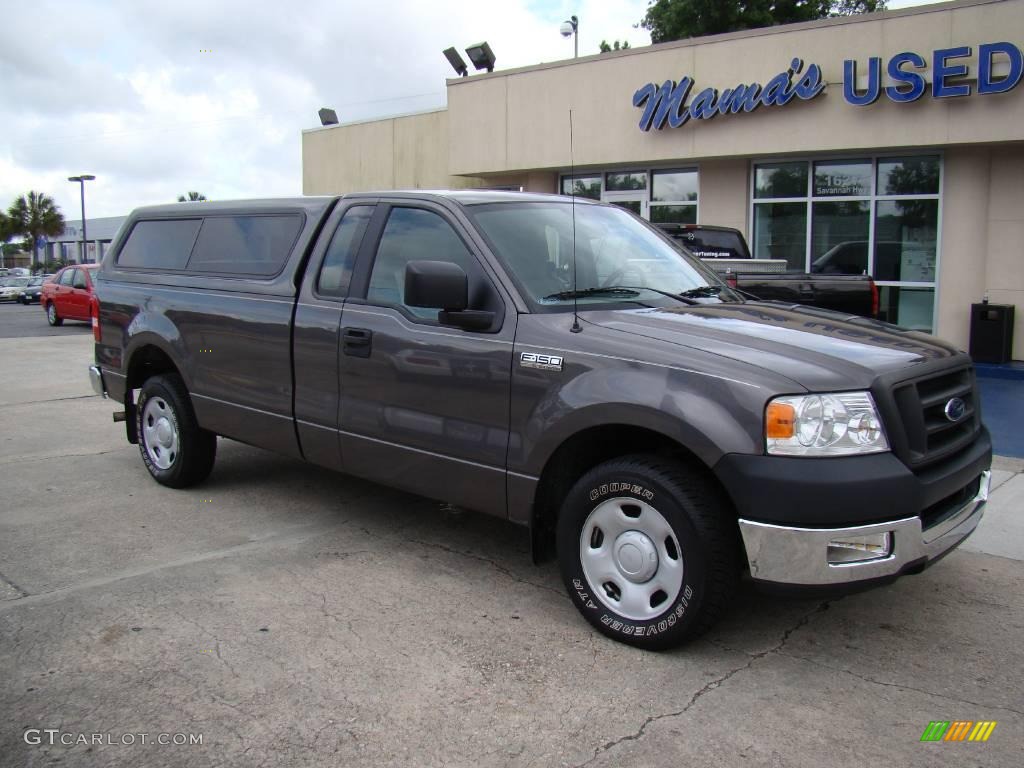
(542, 362)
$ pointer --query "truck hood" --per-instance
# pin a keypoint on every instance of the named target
(818, 349)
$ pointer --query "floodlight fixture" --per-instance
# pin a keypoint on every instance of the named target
(328, 116)
(456, 61)
(482, 56)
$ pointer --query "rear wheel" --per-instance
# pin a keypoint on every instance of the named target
(51, 315)
(175, 449)
(646, 551)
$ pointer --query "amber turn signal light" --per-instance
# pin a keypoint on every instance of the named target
(779, 420)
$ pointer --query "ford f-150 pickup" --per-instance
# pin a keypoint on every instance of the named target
(557, 363)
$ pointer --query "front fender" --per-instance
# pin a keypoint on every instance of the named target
(708, 416)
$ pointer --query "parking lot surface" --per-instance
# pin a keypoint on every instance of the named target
(291, 616)
(26, 320)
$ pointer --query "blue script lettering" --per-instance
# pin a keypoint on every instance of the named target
(667, 103)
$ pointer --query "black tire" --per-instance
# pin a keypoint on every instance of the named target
(702, 535)
(51, 315)
(187, 459)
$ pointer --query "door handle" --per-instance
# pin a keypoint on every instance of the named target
(356, 342)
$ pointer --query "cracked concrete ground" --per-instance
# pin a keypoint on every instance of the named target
(297, 617)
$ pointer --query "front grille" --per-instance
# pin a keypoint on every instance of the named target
(926, 435)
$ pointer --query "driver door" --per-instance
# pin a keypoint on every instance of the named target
(425, 407)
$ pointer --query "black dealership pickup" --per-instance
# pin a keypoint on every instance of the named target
(835, 282)
(555, 363)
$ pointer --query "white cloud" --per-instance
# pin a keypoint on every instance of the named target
(127, 90)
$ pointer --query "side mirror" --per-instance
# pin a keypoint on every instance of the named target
(436, 285)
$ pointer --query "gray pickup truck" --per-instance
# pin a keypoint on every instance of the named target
(556, 363)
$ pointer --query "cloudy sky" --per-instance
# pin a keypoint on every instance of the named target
(159, 97)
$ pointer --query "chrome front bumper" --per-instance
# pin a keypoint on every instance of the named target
(798, 556)
(96, 379)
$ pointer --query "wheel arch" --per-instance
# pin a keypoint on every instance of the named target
(147, 357)
(586, 448)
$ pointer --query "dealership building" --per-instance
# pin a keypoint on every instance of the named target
(890, 144)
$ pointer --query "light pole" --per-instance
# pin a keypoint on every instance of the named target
(572, 27)
(81, 183)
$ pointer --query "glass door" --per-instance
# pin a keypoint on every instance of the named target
(631, 201)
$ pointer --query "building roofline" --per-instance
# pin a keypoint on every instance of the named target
(690, 42)
(431, 111)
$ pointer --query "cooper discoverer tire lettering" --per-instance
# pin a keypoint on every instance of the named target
(177, 452)
(646, 551)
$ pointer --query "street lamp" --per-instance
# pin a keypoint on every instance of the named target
(81, 182)
(571, 27)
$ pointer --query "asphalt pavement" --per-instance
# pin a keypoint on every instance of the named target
(286, 615)
(20, 321)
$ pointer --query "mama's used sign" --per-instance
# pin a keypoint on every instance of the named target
(670, 105)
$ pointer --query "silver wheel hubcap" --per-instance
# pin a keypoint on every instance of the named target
(52, 312)
(159, 433)
(631, 558)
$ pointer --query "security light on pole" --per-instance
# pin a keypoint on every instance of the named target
(571, 28)
(85, 240)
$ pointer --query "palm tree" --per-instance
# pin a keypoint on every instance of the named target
(193, 197)
(35, 215)
(6, 233)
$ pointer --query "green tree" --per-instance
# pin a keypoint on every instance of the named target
(616, 46)
(193, 197)
(679, 19)
(35, 215)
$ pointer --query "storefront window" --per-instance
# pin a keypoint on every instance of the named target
(780, 232)
(625, 182)
(908, 176)
(629, 205)
(582, 186)
(673, 214)
(905, 237)
(673, 186)
(844, 179)
(911, 308)
(861, 216)
(774, 180)
(839, 237)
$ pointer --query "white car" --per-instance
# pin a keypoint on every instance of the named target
(12, 288)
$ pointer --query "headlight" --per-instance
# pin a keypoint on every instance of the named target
(839, 424)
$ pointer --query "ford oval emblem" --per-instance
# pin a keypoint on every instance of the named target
(955, 409)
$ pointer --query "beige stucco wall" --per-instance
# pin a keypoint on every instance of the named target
(982, 246)
(397, 153)
(521, 118)
(1004, 269)
(724, 193)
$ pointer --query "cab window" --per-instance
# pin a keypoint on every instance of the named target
(413, 234)
(67, 276)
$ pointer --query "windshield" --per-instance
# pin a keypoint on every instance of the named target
(613, 251)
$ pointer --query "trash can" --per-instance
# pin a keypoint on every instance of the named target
(991, 333)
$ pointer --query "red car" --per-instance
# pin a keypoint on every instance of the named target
(69, 295)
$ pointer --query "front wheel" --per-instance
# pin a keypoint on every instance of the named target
(51, 315)
(175, 449)
(647, 552)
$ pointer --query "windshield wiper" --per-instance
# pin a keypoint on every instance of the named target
(704, 291)
(618, 290)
